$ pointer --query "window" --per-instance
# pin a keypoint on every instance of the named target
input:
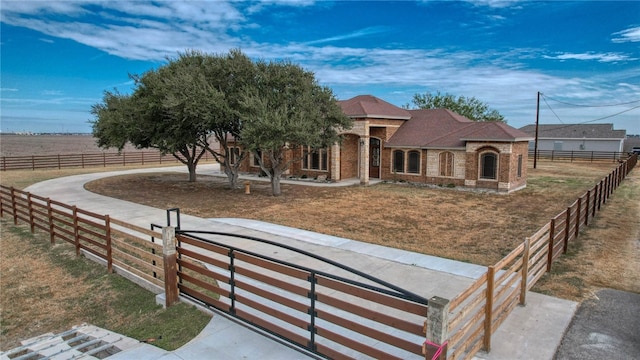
(398, 161)
(233, 155)
(314, 159)
(489, 166)
(446, 163)
(413, 162)
(519, 165)
(254, 158)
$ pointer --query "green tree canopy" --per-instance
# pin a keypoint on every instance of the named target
(283, 109)
(469, 107)
(177, 107)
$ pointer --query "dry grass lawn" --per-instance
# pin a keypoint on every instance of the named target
(476, 227)
(468, 226)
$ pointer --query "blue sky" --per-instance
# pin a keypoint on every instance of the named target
(58, 57)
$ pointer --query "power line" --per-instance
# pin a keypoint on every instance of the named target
(549, 106)
(590, 121)
(581, 105)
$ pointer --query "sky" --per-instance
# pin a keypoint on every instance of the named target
(58, 57)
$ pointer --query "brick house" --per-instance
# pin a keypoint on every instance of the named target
(434, 146)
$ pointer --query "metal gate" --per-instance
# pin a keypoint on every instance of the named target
(315, 303)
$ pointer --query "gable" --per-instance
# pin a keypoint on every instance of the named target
(368, 106)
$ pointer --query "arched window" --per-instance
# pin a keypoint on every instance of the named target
(489, 166)
(446, 163)
(398, 161)
(413, 162)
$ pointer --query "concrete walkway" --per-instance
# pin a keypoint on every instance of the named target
(530, 332)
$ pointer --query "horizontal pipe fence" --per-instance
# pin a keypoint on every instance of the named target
(104, 159)
(476, 313)
(334, 316)
(579, 155)
(123, 246)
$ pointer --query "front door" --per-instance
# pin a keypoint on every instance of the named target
(374, 158)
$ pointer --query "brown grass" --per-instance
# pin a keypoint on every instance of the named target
(468, 226)
(21, 145)
(607, 254)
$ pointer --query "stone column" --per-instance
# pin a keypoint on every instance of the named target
(437, 328)
(364, 160)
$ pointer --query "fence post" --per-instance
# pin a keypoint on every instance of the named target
(525, 272)
(437, 328)
(107, 224)
(30, 204)
(14, 205)
(488, 311)
(601, 184)
(552, 235)
(586, 210)
(567, 227)
(76, 232)
(579, 211)
(52, 230)
(169, 255)
(59, 163)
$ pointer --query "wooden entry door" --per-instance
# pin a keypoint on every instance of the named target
(374, 158)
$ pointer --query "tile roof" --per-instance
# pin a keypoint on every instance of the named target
(369, 106)
(442, 128)
(575, 131)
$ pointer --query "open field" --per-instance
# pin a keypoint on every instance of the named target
(20, 145)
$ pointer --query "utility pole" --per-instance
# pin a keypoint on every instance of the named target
(535, 146)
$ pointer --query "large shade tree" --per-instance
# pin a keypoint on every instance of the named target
(230, 74)
(177, 108)
(285, 109)
(469, 107)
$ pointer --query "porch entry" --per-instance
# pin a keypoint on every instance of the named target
(374, 158)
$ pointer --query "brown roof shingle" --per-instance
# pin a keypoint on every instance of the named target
(369, 106)
(442, 128)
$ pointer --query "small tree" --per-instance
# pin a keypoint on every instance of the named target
(470, 108)
(284, 109)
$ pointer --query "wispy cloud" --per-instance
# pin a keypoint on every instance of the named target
(629, 35)
(600, 57)
(352, 35)
(8, 89)
(132, 29)
(52, 92)
(48, 41)
(495, 3)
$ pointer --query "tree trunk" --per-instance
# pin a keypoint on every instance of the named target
(192, 171)
(275, 186)
(275, 181)
(232, 176)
